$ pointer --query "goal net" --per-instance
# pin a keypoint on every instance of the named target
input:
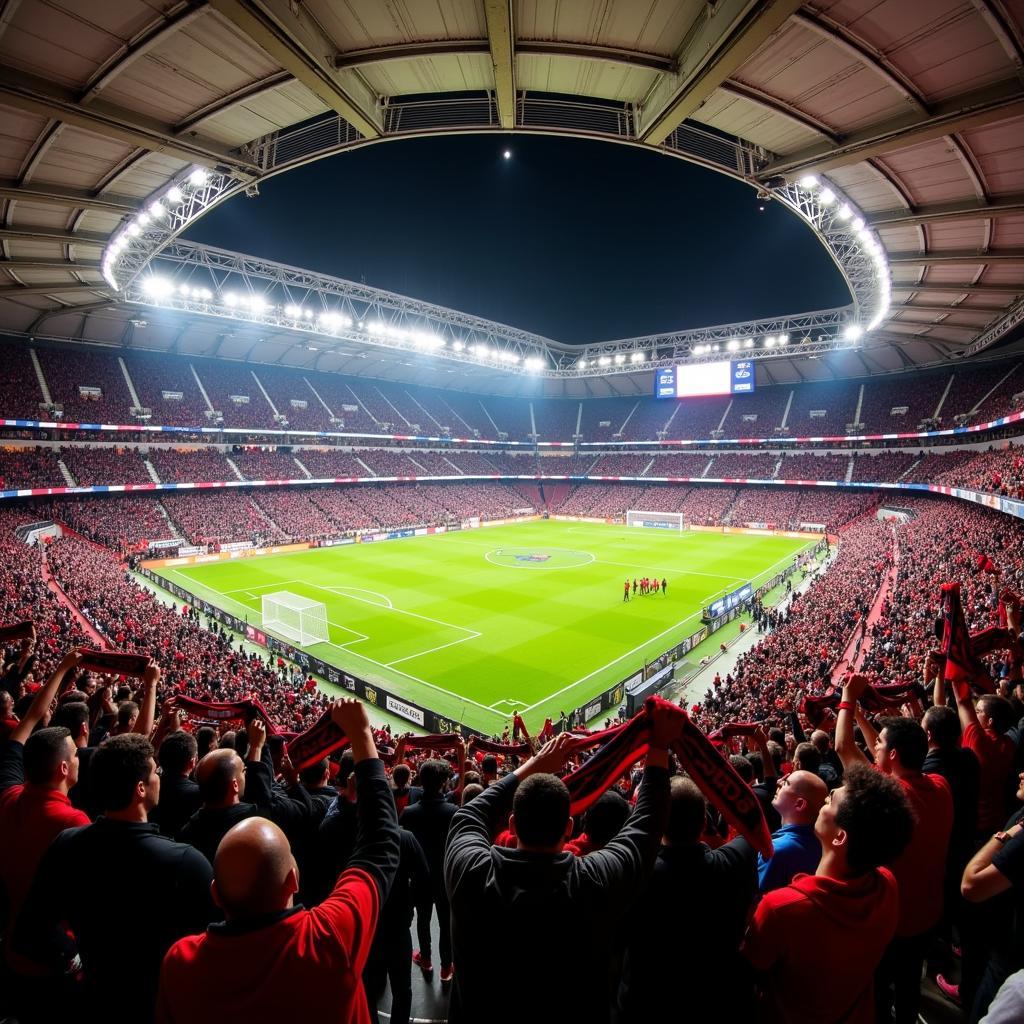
(656, 520)
(296, 618)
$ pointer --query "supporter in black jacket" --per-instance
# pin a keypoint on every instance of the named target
(224, 779)
(86, 870)
(429, 820)
(179, 795)
(560, 912)
(700, 968)
(390, 957)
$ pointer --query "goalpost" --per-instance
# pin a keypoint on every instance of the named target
(656, 520)
(298, 619)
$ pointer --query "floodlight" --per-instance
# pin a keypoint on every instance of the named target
(174, 195)
(582, 364)
(783, 339)
(204, 293)
(458, 346)
(158, 287)
(534, 363)
(133, 229)
(826, 197)
(198, 177)
(184, 289)
(637, 357)
(733, 344)
(853, 333)
(769, 342)
(143, 219)
(291, 310)
(808, 181)
(507, 154)
(157, 210)
(716, 347)
(230, 299)
(858, 224)
(748, 343)
(603, 361)
(620, 358)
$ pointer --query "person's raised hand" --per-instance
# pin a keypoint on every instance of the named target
(289, 773)
(151, 675)
(665, 721)
(551, 758)
(257, 733)
(854, 686)
(349, 715)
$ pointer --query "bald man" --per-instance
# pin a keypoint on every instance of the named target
(274, 960)
(224, 779)
(799, 797)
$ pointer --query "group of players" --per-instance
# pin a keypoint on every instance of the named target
(646, 585)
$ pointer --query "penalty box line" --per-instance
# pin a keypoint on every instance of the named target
(373, 661)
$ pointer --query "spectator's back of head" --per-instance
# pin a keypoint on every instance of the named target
(221, 777)
(872, 811)
(254, 871)
(400, 776)
(906, 738)
(807, 758)
(540, 809)
(996, 713)
(471, 790)
(821, 741)
(605, 818)
(744, 769)
(315, 776)
(178, 754)
(73, 716)
(127, 714)
(206, 740)
(489, 765)
(687, 812)
(942, 726)
(50, 757)
(123, 771)
(433, 775)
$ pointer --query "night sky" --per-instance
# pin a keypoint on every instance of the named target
(576, 240)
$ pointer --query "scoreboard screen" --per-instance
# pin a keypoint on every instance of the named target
(702, 379)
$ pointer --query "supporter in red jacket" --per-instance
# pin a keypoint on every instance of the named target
(900, 749)
(816, 942)
(37, 769)
(271, 959)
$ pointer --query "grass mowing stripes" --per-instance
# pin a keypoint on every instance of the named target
(478, 624)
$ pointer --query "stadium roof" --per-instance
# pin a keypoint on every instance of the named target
(912, 111)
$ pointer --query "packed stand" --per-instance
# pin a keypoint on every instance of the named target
(21, 468)
(325, 464)
(883, 467)
(155, 376)
(221, 517)
(19, 386)
(737, 466)
(813, 467)
(221, 381)
(69, 369)
(837, 401)
(117, 523)
(187, 466)
(265, 464)
(98, 465)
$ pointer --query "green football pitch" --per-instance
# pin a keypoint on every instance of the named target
(479, 624)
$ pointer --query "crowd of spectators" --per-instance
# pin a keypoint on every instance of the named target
(93, 465)
(265, 464)
(24, 467)
(119, 523)
(875, 871)
(189, 465)
(221, 517)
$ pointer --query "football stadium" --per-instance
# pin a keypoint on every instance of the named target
(474, 463)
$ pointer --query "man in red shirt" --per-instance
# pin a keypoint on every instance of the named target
(271, 959)
(37, 769)
(816, 942)
(899, 752)
(984, 731)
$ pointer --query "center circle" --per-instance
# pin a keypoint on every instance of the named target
(539, 558)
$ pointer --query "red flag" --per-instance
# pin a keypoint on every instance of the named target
(962, 668)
